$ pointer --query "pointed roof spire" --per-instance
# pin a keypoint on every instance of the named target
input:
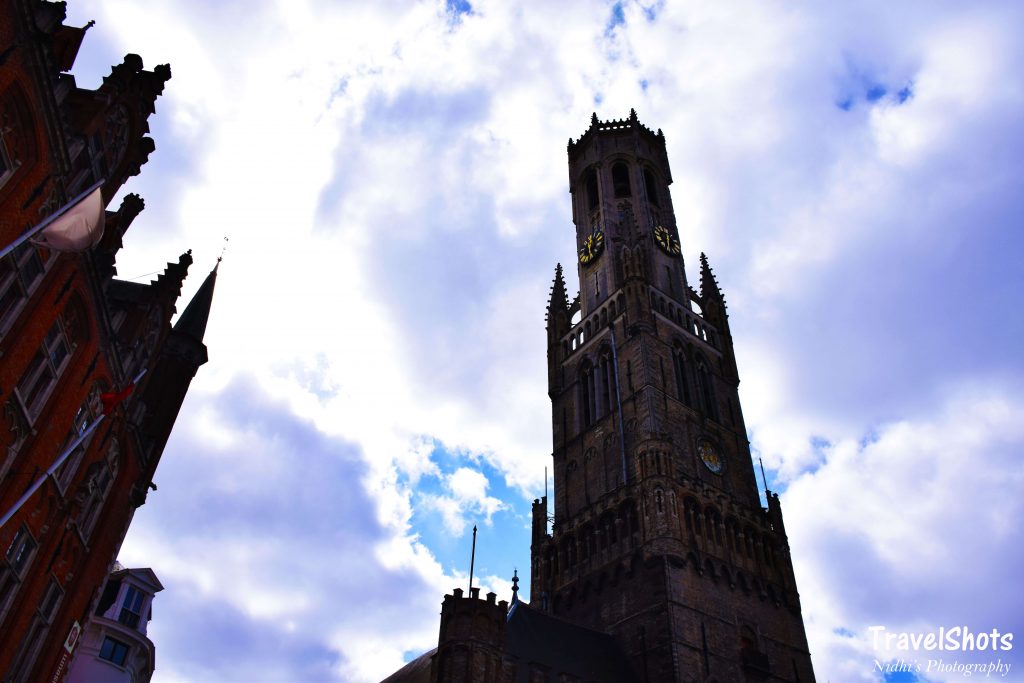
(708, 284)
(559, 298)
(193, 321)
(515, 586)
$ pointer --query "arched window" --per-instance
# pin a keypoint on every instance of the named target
(590, 182)
(620, 180)
(587, 394)
(682, 381)
(651, 187)
(705, 390)
(607, 379)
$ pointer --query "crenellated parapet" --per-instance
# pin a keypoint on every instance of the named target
(471, 641)
(597, 126)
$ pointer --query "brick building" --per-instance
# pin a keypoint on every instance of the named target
(660, 563)
(70, 331)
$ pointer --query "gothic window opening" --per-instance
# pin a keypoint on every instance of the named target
(590, 181)
(606, 383)
(682, 382)
(588, 394)
(620, 181)
(651, 187)
(705, 390)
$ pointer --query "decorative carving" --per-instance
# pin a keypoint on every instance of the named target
(118, 129)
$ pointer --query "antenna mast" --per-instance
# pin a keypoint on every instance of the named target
(472, 561)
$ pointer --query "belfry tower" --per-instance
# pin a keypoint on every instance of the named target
(659, 536)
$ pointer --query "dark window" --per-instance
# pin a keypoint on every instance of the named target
(114, 651)
(131, 608)
(682, 383)
(20, 550)
(19, 273)
(590, 180)
(651, 187)
(588, 394)
(620, 180)
(706, 391)
(43, 370)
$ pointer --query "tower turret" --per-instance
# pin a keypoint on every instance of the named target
(471, 639)
(659, 537)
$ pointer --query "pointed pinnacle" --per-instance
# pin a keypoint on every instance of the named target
(708, 284)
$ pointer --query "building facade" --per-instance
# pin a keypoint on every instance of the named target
(660, 563)
(114, 647)
(71, 332)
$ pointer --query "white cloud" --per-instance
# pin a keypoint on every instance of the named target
(467, 495)
(395, 193)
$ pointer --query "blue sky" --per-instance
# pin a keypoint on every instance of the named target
(392, 177)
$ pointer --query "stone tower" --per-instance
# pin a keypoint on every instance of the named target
(659, 536)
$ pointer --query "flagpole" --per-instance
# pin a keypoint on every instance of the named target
(53, 468)
(46, 223)
(60, 459)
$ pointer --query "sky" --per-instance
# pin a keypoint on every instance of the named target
(391, 178)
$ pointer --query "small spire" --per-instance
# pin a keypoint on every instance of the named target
(515, 586)
(559, 298)
(708, 284)
(193, 321)
(593, 119)
(632, 115)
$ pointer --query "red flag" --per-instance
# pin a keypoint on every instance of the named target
(113, 399)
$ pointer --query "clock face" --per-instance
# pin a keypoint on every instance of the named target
(592, 247)
(710, 456)
(665, 240)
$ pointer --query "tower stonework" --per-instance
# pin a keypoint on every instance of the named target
(659, 536)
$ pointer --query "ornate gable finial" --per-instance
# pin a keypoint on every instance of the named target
(593, 119)
(632, 115)
(515, 586)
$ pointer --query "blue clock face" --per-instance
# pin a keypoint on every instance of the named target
(710, 456)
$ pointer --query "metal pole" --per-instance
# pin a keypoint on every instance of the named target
(618, 401)
(472, 560)
(53, 468)
(60, 461)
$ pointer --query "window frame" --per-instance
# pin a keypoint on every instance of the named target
(131, 615)
(43, 362)
(109, 655)
(17, 279)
